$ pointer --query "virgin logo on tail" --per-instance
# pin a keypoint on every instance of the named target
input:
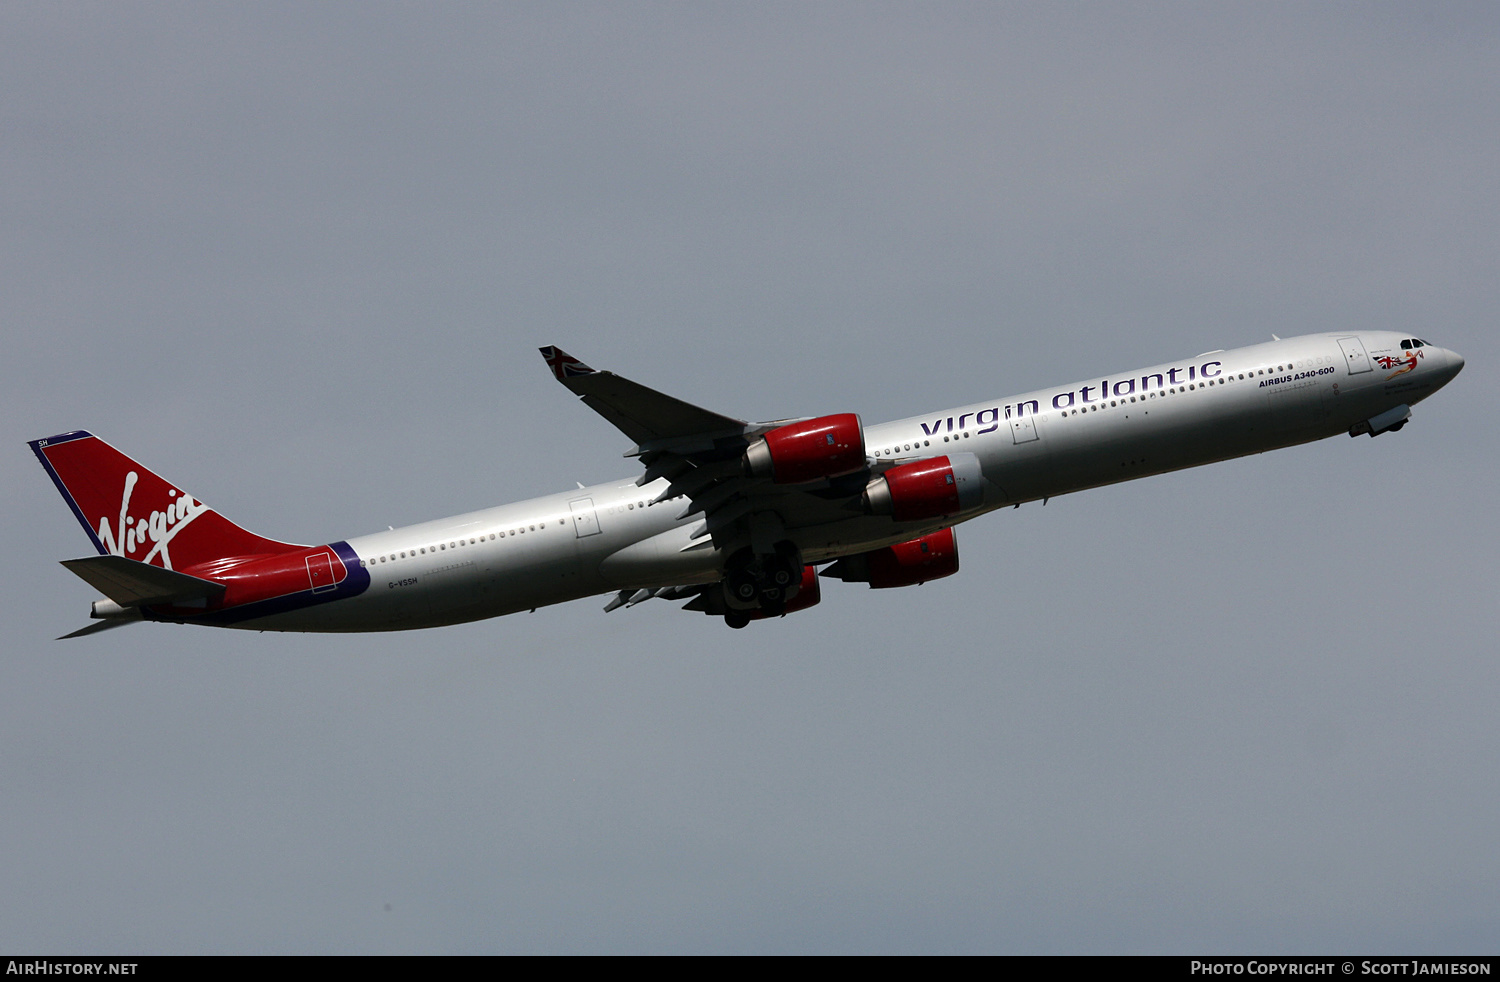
(158, 528)
(131, 512)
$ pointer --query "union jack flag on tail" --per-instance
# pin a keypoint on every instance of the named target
(564, 365)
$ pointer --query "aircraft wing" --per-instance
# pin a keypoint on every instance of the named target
(701, 454)
(648, 417)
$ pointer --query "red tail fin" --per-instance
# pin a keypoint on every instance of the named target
(129, 511)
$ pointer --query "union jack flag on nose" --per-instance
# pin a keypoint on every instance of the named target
(564, 365)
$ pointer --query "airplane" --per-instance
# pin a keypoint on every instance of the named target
(732, 516)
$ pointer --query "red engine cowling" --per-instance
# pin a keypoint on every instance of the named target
(808, 593)
(931, 557)
(939, 487)
(829, 446)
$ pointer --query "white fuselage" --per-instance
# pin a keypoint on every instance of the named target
(1036, 445)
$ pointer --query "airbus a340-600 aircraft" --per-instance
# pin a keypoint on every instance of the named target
(733, 517)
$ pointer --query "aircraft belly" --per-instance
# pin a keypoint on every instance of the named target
(1019, 459)
(460, 596)
(669, 558)
(1162, 436)
(352, 614)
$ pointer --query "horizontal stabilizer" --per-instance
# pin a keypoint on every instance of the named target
(643, 414)
(135, 584)
(98, 626)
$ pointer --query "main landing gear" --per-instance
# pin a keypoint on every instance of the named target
(761, 586)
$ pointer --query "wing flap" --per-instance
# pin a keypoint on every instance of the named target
(135, 584)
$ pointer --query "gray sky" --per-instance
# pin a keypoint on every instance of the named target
(299, 258)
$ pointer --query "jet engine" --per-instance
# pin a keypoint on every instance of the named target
(930, 557)
(808, 593)
(829, 446)
(938, 487)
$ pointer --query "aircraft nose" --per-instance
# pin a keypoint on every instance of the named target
(1451, 364)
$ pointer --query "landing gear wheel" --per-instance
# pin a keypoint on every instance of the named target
(742, 586)
(783, 569)
(737, 619)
